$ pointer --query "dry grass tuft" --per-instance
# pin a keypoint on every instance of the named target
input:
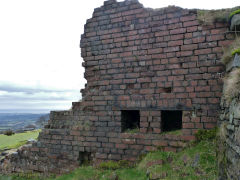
(231, 86)
(209, 17)
(229, 51)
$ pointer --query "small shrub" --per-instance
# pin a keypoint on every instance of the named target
(203, 135)
(9, 132)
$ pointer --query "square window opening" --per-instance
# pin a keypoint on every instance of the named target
(171, 120)
(130, 119)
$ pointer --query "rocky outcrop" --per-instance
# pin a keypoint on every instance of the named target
(229, 133)
(235, 22)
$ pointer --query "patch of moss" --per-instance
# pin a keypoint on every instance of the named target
(132, 131)
(236, 51)
(233, 13)
(204, 135)
(109, 165)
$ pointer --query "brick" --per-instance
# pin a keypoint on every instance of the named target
(209, 125)
(188, 125)
(190, 23)
(171, 49)
(187, 18)
(160, 143)
(178, 31)
(192, 29)
(189, 47)
(146, 91)
(175, 43)
(185, 53)
(162, 33)
(170, 149)
(215, 69)
(188, 138)
(150, 148)
(215, 37)
(128, 141)
(121, 146)
(198, 39)
(202, 51)
(155, 51)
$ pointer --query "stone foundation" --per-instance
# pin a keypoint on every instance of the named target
(229, 135)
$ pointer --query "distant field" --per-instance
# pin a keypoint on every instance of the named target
(16, 121)
(18, 139)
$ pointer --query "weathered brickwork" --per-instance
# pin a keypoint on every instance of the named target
(135, 59)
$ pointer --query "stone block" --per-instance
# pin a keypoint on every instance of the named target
(235, 63)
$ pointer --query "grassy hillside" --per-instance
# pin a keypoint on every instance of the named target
(17, 140)
(196, 162)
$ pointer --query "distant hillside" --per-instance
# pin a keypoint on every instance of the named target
(16, 121)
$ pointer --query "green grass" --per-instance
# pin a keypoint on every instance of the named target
(197, 162)
(17, 140)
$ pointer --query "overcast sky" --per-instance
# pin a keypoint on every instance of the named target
(39, 49)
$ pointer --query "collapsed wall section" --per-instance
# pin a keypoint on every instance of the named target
(148, 72)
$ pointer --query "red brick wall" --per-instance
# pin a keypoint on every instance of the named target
(131, 55)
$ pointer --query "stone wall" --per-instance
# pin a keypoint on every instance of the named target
(229, 135)
(135, 59)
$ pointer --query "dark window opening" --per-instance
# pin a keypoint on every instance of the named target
(130, 119)
(85, 158)
(171, 120)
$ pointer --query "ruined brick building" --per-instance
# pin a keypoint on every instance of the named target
(148, 72)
